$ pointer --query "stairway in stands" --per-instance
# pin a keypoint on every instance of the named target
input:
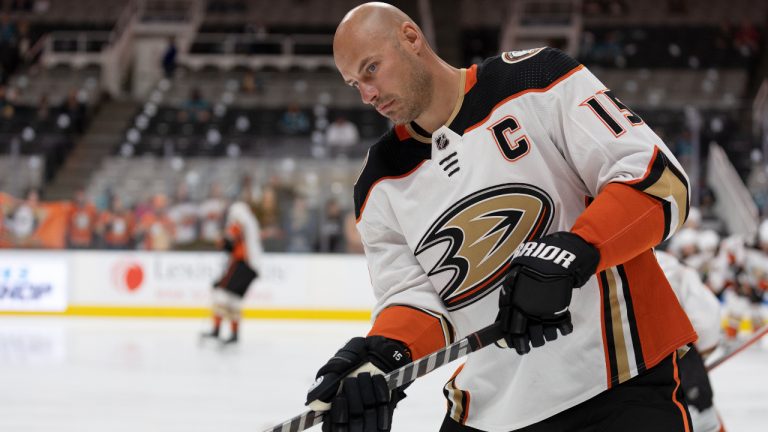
(100, 140)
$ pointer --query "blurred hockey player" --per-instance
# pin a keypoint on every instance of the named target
(739, 277)
(703, 309)
(759, 271)
(242, 242)
(707, 243)
(683, 245)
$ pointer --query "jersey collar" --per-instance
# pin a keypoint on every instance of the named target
(467, 80)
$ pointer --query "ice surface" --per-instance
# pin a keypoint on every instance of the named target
(66, 374)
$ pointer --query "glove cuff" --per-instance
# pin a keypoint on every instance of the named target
(387, 354)
(589, 257)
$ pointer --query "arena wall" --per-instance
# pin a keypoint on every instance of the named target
(178, 284)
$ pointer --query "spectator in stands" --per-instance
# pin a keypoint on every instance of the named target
(9, 53)
(247, 194)
(251, 84)
(155, 230)
(211, 214)
(285, 192)
(81, 222)
(184, 214)
(116, 225)
(196, 108)
(723, 43)
(269, 216)
(294, 121)
(7, 99)
(6, 203)
(301, 228)
(608, 50)
(7, 29)
(341, 135)
(24, 41)
(43, 108)
(75, 109)
(747, 39)
(258, 29)
(332, 228)
(25, 218)
(354, 244)
(683, 149)
(142, 206)
(169, 58)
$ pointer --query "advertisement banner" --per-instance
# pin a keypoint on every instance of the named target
(185, 279)
(30, 282)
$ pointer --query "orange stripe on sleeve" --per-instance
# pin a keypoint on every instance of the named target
(420, 332)
(621, 223)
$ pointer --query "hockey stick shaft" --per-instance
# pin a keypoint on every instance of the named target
(744, 345)
(408, 373)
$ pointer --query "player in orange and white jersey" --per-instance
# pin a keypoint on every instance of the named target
(519, 191)
(243, 244)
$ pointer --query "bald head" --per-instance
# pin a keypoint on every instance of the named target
(372, 19)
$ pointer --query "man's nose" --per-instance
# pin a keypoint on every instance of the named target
(368, 93)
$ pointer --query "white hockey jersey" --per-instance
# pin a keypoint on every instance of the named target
(533, 139)
(697, 300)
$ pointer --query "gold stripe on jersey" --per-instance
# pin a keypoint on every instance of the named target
(620, 347)
(460, 99)
(670, 185)
(458, 399)
(448, 332)
(622, 344)
(456, 108)
(664, 181)
(417, 136)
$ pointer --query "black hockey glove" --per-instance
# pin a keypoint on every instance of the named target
(352, 382)
(536, 293)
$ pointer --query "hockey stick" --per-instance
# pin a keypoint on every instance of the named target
(744, 345)
(408, 373)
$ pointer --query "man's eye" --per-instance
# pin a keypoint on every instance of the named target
(372, 68)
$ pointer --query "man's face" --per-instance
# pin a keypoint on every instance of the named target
(386, 75)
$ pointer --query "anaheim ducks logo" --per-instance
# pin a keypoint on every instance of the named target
(477, 237)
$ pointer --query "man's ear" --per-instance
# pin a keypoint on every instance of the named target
(411, 36)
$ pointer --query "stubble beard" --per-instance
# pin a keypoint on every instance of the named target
(418, 94)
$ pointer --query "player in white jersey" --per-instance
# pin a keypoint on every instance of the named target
(242, 241)
(502, 188)
(703, 309)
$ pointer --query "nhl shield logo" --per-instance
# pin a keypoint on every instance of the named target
(441, 141)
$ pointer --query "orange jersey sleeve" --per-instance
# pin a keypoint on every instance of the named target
(621, 223)
(422, 332)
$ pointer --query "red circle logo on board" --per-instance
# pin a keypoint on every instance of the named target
(128, 275)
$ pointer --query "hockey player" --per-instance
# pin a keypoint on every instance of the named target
(738, 276)
(243, 243)
(473, 210)
(703, 309)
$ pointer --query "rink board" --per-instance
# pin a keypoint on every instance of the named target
(178, 284)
